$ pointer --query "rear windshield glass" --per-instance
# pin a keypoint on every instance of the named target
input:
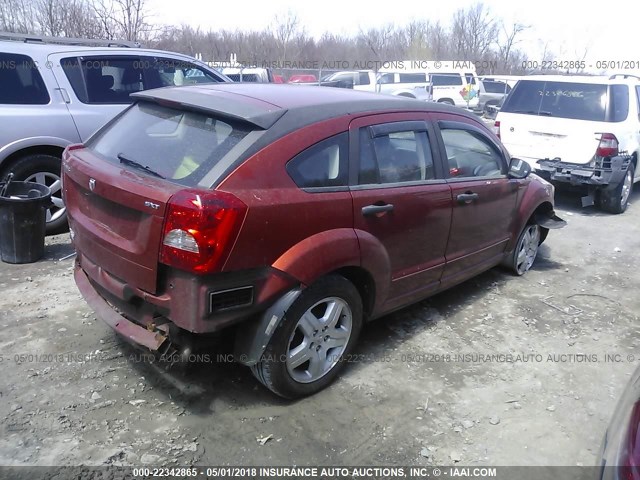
(580, 101)
(181, 146)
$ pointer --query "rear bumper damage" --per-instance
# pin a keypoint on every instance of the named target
(130, 331)
(189, 312)
(603, 172)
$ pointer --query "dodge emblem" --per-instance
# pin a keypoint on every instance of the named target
(92, 184)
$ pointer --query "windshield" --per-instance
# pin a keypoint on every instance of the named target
(181, 146)
(580, 101)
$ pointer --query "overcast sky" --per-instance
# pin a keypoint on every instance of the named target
(609, 30)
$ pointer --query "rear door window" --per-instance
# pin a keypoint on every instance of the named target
(580, 101)
(394, 157)
(413, 78)
(182, 146)
(495, 87)
(169, 72)
(105, 80)
(386, 78)
(443, 80)
(324, 164)
(619, 108)
(20, 81)
(363, 78)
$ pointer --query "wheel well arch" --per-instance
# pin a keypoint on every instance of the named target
(364, 283)
(405, 94)
(544, 207)
(446, 100)
(53, 150)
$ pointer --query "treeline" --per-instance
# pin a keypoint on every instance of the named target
(474, 34)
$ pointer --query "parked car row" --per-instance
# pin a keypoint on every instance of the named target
(454, 86)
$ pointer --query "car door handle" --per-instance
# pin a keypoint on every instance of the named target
(64, 95)
(376, 209)
(467, 197)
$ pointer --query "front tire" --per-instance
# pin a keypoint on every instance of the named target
(309, 346)
(526, 249)
(616, 200)
(44, 169)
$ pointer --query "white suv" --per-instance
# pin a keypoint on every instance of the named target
(54, 92)
(578, 130)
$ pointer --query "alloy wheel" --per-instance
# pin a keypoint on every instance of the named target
(527, 248)
(319, 339)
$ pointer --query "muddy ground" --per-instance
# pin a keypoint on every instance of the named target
(72, 393)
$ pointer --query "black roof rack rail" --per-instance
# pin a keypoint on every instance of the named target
(624, 76)
(28, 38)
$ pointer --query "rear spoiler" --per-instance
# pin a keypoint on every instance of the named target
(209, 101)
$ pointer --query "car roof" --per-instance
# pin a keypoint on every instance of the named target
(33, 48)
(602, 79)
(263, 104)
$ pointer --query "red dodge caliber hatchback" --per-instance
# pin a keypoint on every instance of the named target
(291, 215)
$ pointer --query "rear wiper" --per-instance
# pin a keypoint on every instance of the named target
(533, 112)
(133, 163)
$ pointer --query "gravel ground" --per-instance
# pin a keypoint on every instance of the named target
(72, 393)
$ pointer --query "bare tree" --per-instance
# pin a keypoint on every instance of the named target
(417, 46)
(285, 27)
(439, 41)
(18, 16)
(474, 31)
(376, 43)
(511, 39)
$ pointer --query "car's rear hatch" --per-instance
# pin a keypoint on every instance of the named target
(116, 216)
(557, 119)
(533, 137)
(118, 188)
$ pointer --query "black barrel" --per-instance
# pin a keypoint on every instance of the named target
(22, 221)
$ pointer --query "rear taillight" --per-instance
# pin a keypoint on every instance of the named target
(608, 146)
(200, 229)
(629, 461)
(496, 128)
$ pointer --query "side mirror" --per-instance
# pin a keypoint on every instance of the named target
(518, 168)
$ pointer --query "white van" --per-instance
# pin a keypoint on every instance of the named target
(453, 82)
(455, 88)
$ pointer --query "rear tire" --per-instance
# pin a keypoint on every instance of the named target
(616, 200)
(44, 169)
(308, 348)
(446, 101)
